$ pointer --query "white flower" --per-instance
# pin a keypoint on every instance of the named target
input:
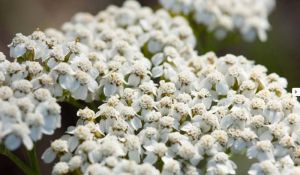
(57, 147)
(18, 46)
(202, 96)
(154, 152)
(27, 112)
(46, 81)
(19, 134)
(86, 114)
(15, 71)
(111, 147)
(63, 74)
(206, 145)
(60, 168)
(220, 164)
(285, 164)
(112, 83)
(97, 169)
(266, 167)
(36, 122)
(131, 116)
(51, 113)
(263, 150)
(75, 163)
(57, 55)
(138, 74)
(236, 119)
(189, 152)
(132, 143)
(215, 81)
(207, 122)
(171, 166)
(82, 85)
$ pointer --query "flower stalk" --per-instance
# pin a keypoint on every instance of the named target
(17, 161)
(33, 159)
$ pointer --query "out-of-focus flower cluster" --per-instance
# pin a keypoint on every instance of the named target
(27, 111)
(166, 110)
(248, 17)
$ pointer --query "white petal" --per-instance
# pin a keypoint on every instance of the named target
(67, 82)
(207, 102)
(93, 85)
(50, 125)
(134, 155)
(150, 158)
(12, 142)
(230, 80)
(154, 46)
(134, 80)
(17, 51)
(225, 122)
(157, 71)
(109, 89)
(49, 155)
(27, 142)
(251, 153)
(157, 59)
(102, 126)
(266, 136)
(136, 123)
(51, 63)
(35, 133)
(80, 93)
(94, 73)
(66, 157)
(56, 90)
(73, 143)
(222, 88)
(170, 73)
(150, 148)
(94, 156)
(195, 160)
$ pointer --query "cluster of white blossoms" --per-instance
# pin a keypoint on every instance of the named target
(93, 55)
(164, 109)
(248, 17)
(187, 123)
(27, 111)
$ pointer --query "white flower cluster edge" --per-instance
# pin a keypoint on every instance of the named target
(248, 17)
(26, 111)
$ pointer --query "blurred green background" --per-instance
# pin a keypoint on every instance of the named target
(280, 54)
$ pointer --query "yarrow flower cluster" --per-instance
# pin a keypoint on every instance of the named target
(93, 55)
(169, 111)
(230, 106)
(26, 110)
(248, 17)
(163, 108)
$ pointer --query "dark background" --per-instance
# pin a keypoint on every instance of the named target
(280, 54)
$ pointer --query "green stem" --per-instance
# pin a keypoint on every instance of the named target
(93, 106)
(27, 170)
(75, 103)
(33, 158)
